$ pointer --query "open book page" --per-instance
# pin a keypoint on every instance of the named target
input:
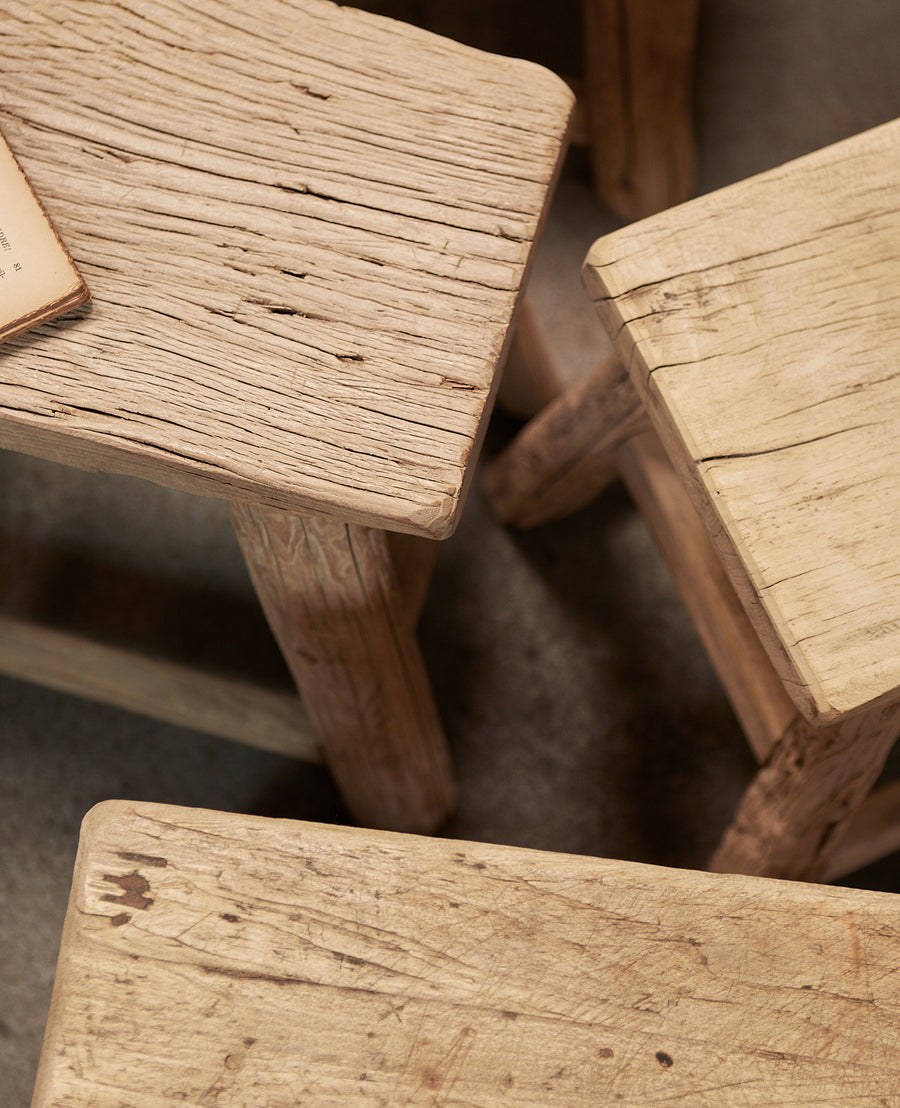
(38, 279)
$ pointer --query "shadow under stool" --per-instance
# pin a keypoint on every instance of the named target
(753, 409)
(305, 230)
(212, 958)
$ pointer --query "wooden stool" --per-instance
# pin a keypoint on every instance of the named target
(229, 960)
(760, 336)
(305, 229)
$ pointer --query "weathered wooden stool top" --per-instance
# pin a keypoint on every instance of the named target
(761, 326)
(228, 960)
(305, 229)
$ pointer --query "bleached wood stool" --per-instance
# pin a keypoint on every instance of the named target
(221, 959)
(760, 332)
(305, 229)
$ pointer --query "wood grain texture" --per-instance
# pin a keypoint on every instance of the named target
(565, 457)
(334, 603)
(753, 687)
(760, 326)
(639, 92)
(215, 959)
(305, 229)
(807, 815)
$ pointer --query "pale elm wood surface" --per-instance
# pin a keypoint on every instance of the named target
(305, 229)
(754, 688)
(565, 457)
(760, 324)
(221, 959)
(808, 800)
(188, 696)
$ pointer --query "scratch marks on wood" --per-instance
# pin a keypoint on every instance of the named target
(794, 1004)
(436, 1069)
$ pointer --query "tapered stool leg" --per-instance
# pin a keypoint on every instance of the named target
(333, 599)
(805, 795)
(639, 72)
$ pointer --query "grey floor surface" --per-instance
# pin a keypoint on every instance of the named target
(582, 713)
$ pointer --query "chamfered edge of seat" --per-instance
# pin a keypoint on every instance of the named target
(107, 816)
(604, 275)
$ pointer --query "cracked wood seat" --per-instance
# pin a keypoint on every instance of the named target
(212, 958)
(305, 230)
(759, 329)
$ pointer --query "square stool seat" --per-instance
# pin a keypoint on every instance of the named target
(213, 958)
(760, 327)
(303, 244)
(305, 229)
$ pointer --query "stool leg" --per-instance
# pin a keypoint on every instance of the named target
(530, 381)
(639, 72)
(333, 599)
(755, 690)
(800, 803)
(564, 458)
(414, 559)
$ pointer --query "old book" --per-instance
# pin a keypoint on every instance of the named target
(38, 279)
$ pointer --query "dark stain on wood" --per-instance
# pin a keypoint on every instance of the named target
(143, 859)
(133, 887)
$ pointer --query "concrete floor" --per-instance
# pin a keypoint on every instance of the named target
(582, 713)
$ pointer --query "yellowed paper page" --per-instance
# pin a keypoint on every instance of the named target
(38, 279)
